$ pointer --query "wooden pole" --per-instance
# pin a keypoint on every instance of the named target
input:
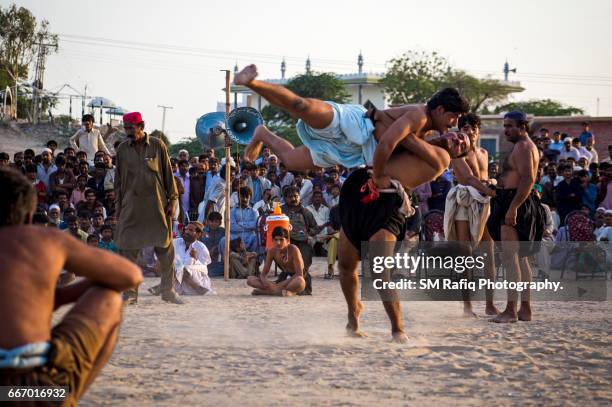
(228, 182)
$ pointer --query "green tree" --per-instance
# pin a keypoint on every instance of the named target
(541, 107)
(324, 86)
(160, 135)
(480, 92)
(192, 145)
(19, 35)
(415, 76)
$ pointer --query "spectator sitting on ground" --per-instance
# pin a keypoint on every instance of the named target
(243, 221)
(288, 258)
(242, 262)
(303, 224)
(212, 235)
(191, 258)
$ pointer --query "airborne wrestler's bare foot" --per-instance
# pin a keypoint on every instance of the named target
(252, 150)
(399, 337)
(245, 76)
(508, 316)
(352, 326)
(524, 313)
(491, 309)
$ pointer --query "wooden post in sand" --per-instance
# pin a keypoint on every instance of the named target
(228, 181)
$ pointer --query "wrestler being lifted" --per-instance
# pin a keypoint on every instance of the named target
(352, 136)
(289, 259)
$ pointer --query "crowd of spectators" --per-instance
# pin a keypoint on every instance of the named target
(75, 193)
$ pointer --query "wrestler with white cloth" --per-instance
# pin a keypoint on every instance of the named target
(467, 205)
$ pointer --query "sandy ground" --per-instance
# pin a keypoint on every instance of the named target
(235, 349)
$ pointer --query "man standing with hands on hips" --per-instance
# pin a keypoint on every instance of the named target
(146, 197)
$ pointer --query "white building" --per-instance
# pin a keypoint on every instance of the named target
(360, 86)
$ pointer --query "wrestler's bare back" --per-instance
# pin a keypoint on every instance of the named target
(32, 259)
(385, 118)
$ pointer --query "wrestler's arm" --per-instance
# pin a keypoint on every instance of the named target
(70, 293)
(398, 131)
(101, 267)
(525, 162)
(464, 175)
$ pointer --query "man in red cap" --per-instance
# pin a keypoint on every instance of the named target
(146, 196)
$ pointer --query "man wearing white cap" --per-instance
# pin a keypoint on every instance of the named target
(183, 155)
(568, 151)
(604, 234)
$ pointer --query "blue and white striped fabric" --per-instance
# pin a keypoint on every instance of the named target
(30, 355)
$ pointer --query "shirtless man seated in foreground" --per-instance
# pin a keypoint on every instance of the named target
(74, 351)
(289, 259)
(351, 136)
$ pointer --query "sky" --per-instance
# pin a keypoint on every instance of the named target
(144, 53)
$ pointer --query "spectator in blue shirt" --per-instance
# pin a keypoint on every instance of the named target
(243, 221)
(106, 231)
(586, 133)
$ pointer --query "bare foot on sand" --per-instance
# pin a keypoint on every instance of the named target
(508, 316)
(245, 76)
(399, 337)
(352, 327)
(491, 309)
(287, 293)
(524, 313)
(468, 313)
(252, 150)
(257, 291)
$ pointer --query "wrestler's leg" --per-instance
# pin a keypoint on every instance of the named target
(510, 258)
(464, 238)
(524, 313)
(487, 246)
(389, 297)
(296, 159)
(103, 307)
(313, 112)
(348, 258)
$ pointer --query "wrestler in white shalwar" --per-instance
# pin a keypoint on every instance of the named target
(464, 202)
(191, 268)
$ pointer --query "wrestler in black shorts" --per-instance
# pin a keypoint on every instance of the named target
(359, 220)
